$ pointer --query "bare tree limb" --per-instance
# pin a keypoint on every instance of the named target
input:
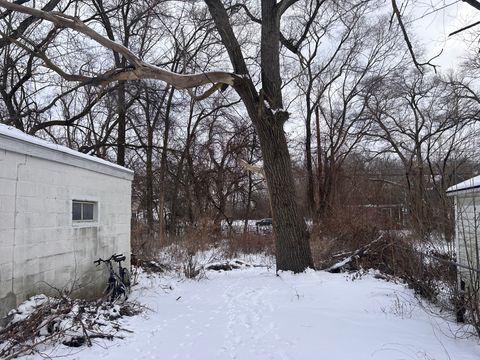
(138, 69)
(247, 11)
(473, 3)
(283, 6)
(309, 24)
(398, 15)
(464, 28)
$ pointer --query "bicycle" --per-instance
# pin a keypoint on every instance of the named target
(118, 285)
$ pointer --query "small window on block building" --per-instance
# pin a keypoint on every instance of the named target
(84, 210)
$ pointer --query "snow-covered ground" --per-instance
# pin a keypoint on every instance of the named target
(251, 313)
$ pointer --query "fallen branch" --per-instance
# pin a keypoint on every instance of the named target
(42, 320)
(357, 254)
(252, 168)
(28, 349)
(227, 265)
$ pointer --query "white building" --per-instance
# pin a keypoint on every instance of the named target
(59, 211)
(467, 228)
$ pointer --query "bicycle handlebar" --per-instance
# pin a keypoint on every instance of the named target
(114, 257)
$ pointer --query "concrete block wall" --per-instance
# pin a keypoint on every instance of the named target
(41, 247)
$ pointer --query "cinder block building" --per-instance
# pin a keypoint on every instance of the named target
(59, 211)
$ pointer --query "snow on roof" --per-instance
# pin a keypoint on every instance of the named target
(465, 185)
(14, 133)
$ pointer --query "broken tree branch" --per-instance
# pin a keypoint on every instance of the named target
(253, 168)
(137, 70)
(357, 254)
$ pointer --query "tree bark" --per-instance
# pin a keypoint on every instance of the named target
(291, 236)
(270, 54)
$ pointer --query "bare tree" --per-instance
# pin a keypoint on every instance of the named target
(265, 107)
(420, 118)
(333, 88)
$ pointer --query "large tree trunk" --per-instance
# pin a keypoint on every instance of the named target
(291, 235)
(292, 245)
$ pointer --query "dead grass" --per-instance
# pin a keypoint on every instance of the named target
(250, 243)
(181, 251)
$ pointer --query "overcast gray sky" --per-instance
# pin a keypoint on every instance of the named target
(434, 27)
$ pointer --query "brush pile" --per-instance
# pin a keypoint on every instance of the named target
(44, 321)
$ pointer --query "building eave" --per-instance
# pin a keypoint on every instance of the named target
(61, 154)
(463, 191)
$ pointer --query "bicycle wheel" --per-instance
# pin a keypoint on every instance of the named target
(110, 291)
(126, 280)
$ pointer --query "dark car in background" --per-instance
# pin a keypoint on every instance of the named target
(264, 222)
(264, 225)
